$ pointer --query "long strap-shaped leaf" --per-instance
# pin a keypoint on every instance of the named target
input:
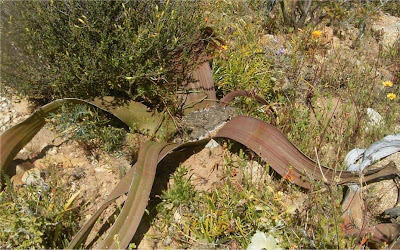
(123, 187)
(139, 191)
(138, 116)
(276, 149)
(237, 93)
(133, 114)
(15, 138)
(128, 220)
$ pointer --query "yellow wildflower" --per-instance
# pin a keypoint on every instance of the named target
(224, 47)
(391, 96)
(316, 33)
(387, 83)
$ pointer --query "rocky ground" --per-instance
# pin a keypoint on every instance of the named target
(12, 111)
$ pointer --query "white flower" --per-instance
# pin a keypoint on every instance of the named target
(261, 241)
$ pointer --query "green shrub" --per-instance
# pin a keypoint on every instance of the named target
(242, 63)
(37, 216)
(84, 49)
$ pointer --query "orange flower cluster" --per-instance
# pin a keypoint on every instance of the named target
(316, 33)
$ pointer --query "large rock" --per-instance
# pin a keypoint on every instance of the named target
(388, 28)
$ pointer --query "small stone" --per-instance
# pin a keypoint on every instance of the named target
(32, 177)
(3, 105)
(212, 144)
(73, 187)
(52, 151)
(16, 180)
(267, 39)
(397, 129)
(169, 206)
(327, 35)
(40, 164)
(375, 119)
(44, 146)
(100, 170)
(78, 173)
(23, 151)
(167, 241)
(282, 84)
(177, 217)
(256, 172)
(387, 28)
(6, 119)
(335, 42)
(23, 167)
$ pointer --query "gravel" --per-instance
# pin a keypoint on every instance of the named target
(9, 116)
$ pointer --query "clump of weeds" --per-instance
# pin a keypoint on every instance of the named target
(42, 215)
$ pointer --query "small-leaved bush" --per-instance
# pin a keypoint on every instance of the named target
(389, 6)
(86, 49)
(38, 216)
(241, 63)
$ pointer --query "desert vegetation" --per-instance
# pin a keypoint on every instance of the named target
(324, 74)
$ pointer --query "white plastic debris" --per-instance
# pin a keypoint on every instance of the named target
(358, 159)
